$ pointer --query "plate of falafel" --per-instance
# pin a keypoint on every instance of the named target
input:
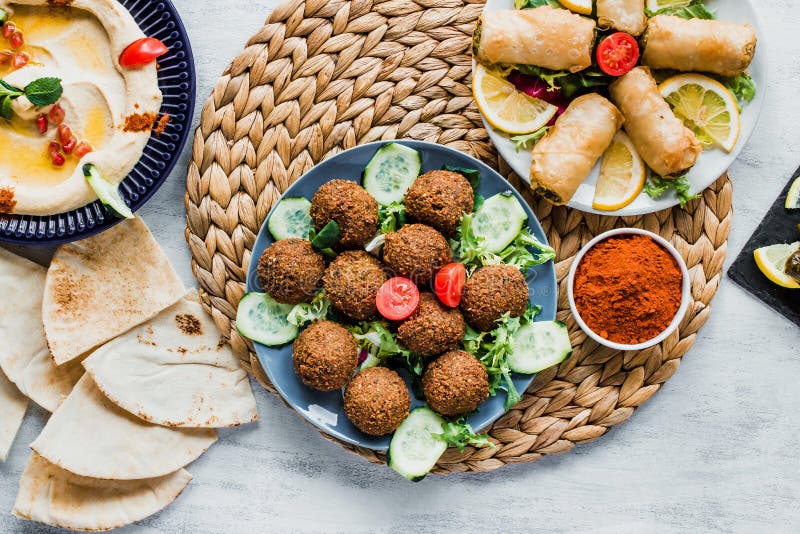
(403, 298)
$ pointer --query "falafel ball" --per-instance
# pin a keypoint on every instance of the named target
(325, 356)
(455, 383)
(376, 401)
(433, 328)
(439, 199)
(353, 209)
(492, 291)
(352, 282)
(290, 270)
(416, 251)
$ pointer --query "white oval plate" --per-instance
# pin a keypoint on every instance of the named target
(710, 165)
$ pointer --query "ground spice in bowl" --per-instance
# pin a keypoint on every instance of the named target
(627, 288)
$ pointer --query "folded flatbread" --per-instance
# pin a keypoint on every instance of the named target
(90, 436)
(12, 410)
(24, 357)
(51, 495)
(100, 287)
(175, 371)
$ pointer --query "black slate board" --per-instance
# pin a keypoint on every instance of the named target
(778, 226)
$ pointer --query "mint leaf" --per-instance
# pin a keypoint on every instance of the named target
(44, 91)
(5, 107)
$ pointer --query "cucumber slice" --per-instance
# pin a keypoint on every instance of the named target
(291, 218)
(537, 346)
(390, 172)
(263, 319)
(499, 221)
(414, 448)
(106, 192)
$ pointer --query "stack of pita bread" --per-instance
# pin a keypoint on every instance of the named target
(132, 369)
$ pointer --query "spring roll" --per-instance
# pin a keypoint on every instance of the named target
(664, 143)
(622, 15)
(564, 157)
(724, 48)
(555, 39)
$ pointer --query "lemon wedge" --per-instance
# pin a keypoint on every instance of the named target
(507, 109)
(622, 175)
(793, 197)
(706, 107)
(771, 261)
(584, 7)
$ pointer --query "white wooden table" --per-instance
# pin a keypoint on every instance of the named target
(716, 450)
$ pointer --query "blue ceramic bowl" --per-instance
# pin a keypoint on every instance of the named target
(176, 79)
(325, 410)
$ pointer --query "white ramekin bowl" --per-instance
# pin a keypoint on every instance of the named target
(685, 289)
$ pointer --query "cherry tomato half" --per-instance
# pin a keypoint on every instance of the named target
(142, 52)
(449, 284)
(617, 54)
(397, 298)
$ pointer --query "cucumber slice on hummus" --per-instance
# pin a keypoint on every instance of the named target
(106, 192)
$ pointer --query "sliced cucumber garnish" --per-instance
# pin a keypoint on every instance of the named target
(263, 319)
(390, 172)
(499, 221)
(414, 448)
(537, 346)
(106, 192)
(290, 218)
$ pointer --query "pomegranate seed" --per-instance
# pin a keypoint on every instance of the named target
(69, 146)
(20, 60)
(41, 123)
(64, 133)
(56, 114)
(8, 29)
(57, 159)
(82, 148)
(5, 57)
(17, 40)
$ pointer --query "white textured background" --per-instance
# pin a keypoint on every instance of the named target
(716, 450)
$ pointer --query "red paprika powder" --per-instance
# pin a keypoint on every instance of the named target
(627, 288)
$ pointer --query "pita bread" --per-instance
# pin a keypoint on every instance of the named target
(24, 357)
(175, 371)
(100, 287)
(50, 495)
(90, 436)
(12, 410)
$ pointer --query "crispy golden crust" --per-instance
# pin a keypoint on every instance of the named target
(376, 401)
(455, 383)
(439, 199)
(325, 356)
(290, 270)
(433, 328)
(491, 292)
(416, 251)
(352, 281)
(353, 209)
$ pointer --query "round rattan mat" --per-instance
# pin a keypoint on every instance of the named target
(325, 75)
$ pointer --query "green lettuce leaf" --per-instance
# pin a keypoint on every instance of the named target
(690, 9)
(526, 141)
(742, 86)
(656, 187)
(460, 434)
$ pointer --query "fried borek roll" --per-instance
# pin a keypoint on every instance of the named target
(622, 15)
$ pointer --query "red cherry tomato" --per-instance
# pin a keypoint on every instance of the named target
(397, 298)
(142, 52)
(449, 284)
(617, 54)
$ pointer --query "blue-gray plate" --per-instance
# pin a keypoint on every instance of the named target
(176, 79)
(325, 410)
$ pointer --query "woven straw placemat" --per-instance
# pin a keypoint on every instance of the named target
(325, 75)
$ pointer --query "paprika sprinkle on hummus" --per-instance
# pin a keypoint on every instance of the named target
(140, 122)
(7, 201)
(628, 288)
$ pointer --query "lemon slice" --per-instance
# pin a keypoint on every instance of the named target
(507, 109)
(705, 106)
(771, 261)
(655, 5)
(584, 7)
(622, 175)
(793, 198)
